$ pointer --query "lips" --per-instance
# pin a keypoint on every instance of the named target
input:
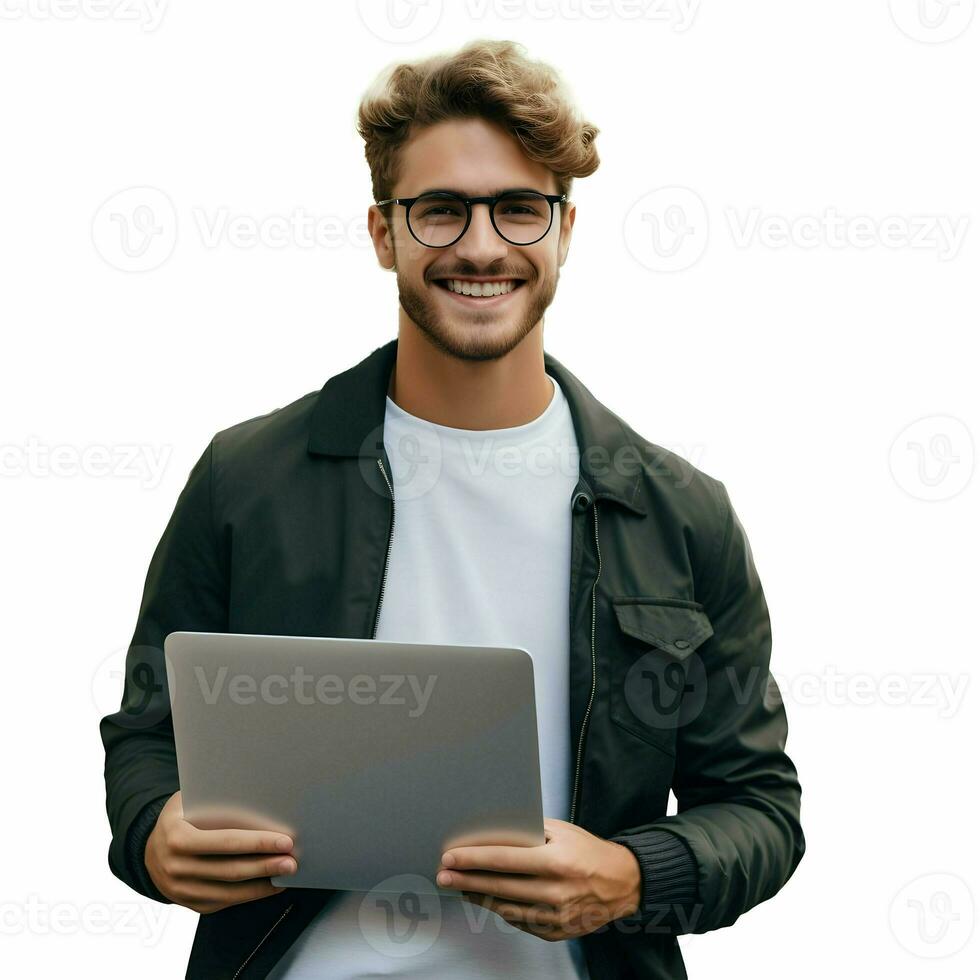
(462, 301)
(477, 290)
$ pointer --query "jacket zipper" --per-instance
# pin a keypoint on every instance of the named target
(377, 616)
(262, 940)
(391, 533)
(588, 707)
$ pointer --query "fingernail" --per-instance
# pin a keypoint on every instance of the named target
(286, 867)
(444, 878)
(283, 843)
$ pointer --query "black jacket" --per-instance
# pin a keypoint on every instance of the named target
(284, 528)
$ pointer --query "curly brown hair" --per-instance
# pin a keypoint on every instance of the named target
(492, 79)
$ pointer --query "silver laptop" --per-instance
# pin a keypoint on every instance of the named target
(374, 756)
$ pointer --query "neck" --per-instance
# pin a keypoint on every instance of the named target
(464, 394)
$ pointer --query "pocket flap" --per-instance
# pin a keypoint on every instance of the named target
(676, 626)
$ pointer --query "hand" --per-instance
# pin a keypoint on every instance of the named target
(567, 887)
(208, 870)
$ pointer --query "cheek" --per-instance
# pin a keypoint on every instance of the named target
(545, 266)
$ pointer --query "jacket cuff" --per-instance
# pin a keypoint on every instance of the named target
(139, 833)
(668, 881)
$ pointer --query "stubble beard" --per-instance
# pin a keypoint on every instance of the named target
(475, 336)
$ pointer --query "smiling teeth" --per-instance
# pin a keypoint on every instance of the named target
(467, 288)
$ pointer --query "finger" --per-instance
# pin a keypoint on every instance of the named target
(540, 890)
(537, 860)
(187, 839)
(214, 868)
(548, 933)
(553, 827)
(214, 896)
(524, 912)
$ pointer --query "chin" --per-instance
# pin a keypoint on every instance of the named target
(471, 335)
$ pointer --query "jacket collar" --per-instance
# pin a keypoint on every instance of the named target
(351, 406)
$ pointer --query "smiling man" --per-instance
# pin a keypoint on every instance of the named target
(528, 514)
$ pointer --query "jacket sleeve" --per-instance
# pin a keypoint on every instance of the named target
(738, 795)
(186, 588)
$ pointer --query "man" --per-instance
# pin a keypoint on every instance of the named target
(460, 485)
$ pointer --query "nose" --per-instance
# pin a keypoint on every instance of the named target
(481, 244)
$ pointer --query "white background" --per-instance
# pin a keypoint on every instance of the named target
(829, 379)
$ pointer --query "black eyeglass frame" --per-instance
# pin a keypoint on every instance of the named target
(468, 202)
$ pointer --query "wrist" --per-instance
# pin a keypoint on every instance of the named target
(630, 880)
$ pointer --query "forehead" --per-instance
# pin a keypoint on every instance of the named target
(470, 155)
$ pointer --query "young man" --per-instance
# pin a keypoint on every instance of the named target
(460, 485)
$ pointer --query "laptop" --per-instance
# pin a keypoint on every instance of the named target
(374, 756)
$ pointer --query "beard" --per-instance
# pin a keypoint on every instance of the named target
(475, 335)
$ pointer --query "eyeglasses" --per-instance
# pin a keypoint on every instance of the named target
(439, 219)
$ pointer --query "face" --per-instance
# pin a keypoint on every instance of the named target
(475, 158)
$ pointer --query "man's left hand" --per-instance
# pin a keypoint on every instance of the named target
(567, 887)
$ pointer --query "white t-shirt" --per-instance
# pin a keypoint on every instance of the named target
(480, 554)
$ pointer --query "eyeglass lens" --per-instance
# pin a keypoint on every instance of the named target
(439, 219)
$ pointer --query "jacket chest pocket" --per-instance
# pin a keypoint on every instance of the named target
(658, 684)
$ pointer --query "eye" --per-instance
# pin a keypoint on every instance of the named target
(529, 206)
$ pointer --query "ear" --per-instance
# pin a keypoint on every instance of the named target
(565, 237)
(381, 238)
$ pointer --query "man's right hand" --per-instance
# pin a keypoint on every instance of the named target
(208, 870)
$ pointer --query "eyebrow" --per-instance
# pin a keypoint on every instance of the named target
(462, 193)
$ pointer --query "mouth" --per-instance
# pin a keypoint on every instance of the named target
(475, 293)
